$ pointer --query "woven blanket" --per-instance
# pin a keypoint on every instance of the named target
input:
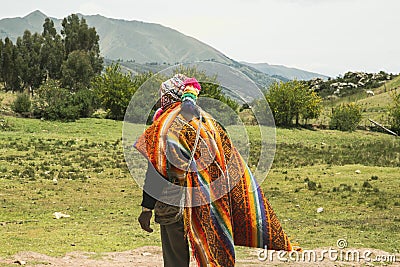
(224, 205)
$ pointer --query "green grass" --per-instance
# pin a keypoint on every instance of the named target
(95, 188)
(367, 217)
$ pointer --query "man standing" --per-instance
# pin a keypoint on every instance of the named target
(200, 176)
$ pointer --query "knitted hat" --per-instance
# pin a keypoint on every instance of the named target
(171, 90)
(178, 88)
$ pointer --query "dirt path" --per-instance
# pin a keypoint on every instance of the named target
(152, 257)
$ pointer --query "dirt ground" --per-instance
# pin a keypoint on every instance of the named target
(151, 256)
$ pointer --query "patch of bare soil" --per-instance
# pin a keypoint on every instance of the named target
(151, 256)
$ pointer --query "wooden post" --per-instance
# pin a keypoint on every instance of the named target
(383, 127)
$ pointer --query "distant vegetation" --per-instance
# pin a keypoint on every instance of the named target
(56, 70)
(345, 117)
(292, 101)
(349, 84)
(395, 111)
(72, 57)
(62, 73)
(61, 76)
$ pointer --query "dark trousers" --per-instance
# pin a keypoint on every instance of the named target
(175, 247)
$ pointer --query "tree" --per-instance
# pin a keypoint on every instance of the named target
(79, 37)
(395, 112)
(115, 90)
(28, 60)
(313, 108)
(292, 101)
(22, 104)
(1, 60)
(82, 53)
(9, 68)
(52, 54)
(48, 28)
(77, 71)
(53, 102)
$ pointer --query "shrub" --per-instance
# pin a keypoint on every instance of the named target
(345, 117)
(55, 103)
(87, 102)
(115, 90)
(395, 112)
(5, 125)
(22, 104)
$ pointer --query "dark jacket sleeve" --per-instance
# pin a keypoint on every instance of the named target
(153, 186)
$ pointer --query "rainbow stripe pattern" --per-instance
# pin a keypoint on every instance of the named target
(224, 205)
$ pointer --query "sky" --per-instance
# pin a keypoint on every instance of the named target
(329, 37)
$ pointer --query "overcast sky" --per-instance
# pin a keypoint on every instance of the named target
(326, 36)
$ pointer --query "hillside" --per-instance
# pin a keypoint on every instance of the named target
(15, 27)
(374, 107)
(138, 46)
(279, 71)
(127, 40)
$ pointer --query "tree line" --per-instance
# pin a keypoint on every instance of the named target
(72, 57)
(61, 76)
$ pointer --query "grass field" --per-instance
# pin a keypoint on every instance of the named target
(312, 169)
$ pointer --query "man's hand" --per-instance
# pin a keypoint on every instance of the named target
(144, 220)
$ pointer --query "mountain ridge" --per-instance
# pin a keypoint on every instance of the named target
(284, 71)
(139, 42)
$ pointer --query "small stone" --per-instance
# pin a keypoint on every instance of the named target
(358, 171)
(59, 215)
(146, 254)
(320, 209)
(20, 262)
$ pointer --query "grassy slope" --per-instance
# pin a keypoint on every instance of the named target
(95, 188)
(374, 107)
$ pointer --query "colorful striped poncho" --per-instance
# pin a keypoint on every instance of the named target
(224, 206)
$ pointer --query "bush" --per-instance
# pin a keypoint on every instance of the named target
(55, 103)
(345, 117)
(5, 124)
(87, 102)
(22, 104)
(395, 112)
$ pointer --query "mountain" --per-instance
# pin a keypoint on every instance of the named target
(282, 72)
(127, 40)
(15, 27)
(141, 46)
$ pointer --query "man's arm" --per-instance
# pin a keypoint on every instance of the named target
(153, 186)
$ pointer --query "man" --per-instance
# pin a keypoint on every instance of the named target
(197, 174)
(174, 243)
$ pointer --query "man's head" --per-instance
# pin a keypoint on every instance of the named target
(176, 89)
(171, 90)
